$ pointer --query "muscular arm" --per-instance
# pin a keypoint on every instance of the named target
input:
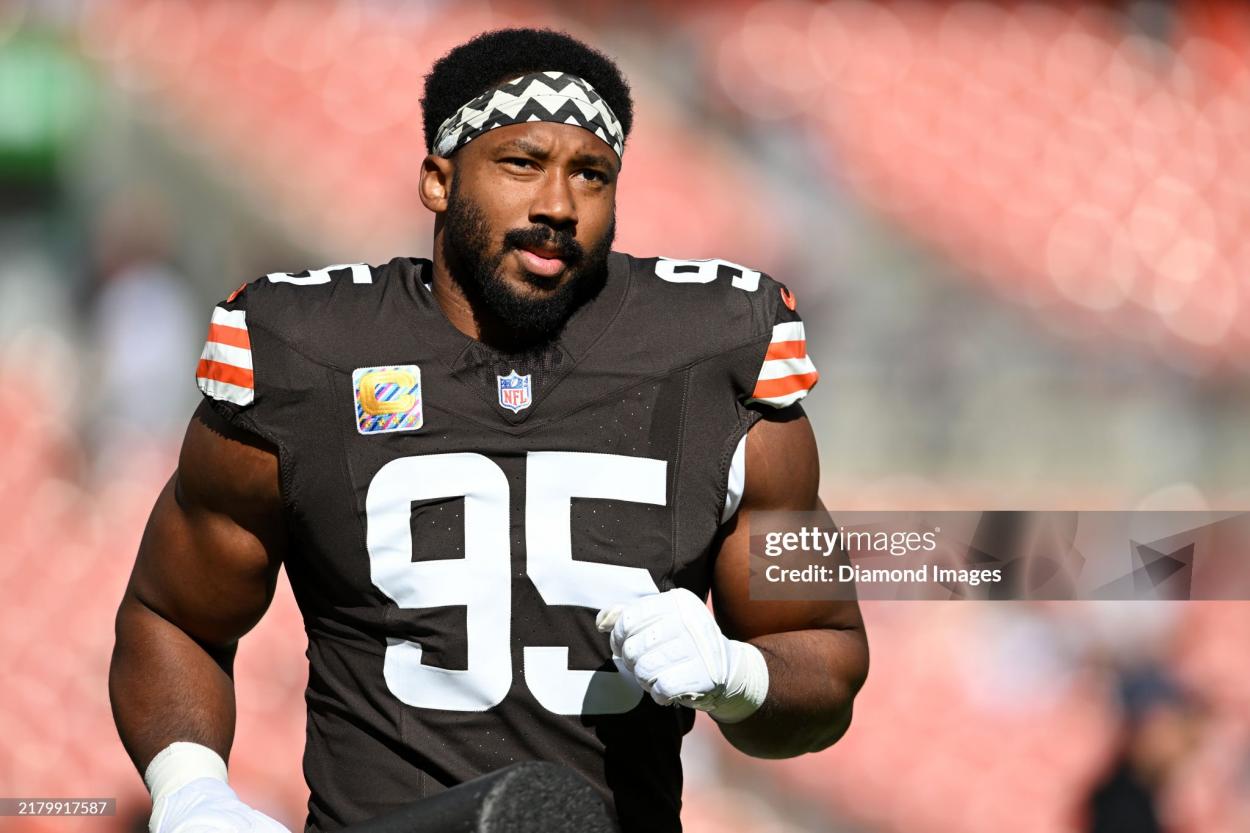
(816, 652)
(203, 577)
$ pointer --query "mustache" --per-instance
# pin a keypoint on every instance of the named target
(567, 248)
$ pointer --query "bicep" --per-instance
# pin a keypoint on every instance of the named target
(210, 554)
(782, 474)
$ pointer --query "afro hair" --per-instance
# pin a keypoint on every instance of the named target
(496, 56)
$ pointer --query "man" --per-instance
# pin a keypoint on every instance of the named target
(502, 483)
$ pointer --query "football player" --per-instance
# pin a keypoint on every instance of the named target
(503, 482)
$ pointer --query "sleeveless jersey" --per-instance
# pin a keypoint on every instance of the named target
(457, 516)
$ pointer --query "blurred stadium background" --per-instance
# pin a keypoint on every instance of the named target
(1020, 235)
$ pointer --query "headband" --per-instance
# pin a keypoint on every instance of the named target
(558, 97)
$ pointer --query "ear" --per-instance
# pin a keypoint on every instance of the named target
(435, 185)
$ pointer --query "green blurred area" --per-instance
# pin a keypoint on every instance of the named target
(46, 102)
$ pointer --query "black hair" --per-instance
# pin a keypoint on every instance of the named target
(493, 57)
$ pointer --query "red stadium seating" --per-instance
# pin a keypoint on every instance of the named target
(1077, 167)
(318, 104)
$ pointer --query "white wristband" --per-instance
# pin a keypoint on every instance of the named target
(179, 764)
(747, 686)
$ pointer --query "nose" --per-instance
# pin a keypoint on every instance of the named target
(554, 204)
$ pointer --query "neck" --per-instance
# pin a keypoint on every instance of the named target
(451, 300)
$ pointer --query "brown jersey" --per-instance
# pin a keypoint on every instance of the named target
(458, 515)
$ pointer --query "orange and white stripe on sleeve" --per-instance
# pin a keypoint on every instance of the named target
(225, 369)
(787, 374)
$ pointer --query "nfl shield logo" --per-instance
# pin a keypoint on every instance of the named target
(515, 391)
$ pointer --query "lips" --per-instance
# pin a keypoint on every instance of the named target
(545, 262)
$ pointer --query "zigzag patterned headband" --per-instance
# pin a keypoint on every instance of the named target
(539, 96)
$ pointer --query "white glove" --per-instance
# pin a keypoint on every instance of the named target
(676, 651)
(190, 795)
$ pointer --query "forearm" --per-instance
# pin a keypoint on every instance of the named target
(813, 676)
(165, 686)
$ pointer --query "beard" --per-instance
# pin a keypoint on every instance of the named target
(507, 318)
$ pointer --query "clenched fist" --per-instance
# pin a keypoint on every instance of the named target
(674, 648)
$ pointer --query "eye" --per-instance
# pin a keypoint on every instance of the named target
(593, 175)
(519, 162)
